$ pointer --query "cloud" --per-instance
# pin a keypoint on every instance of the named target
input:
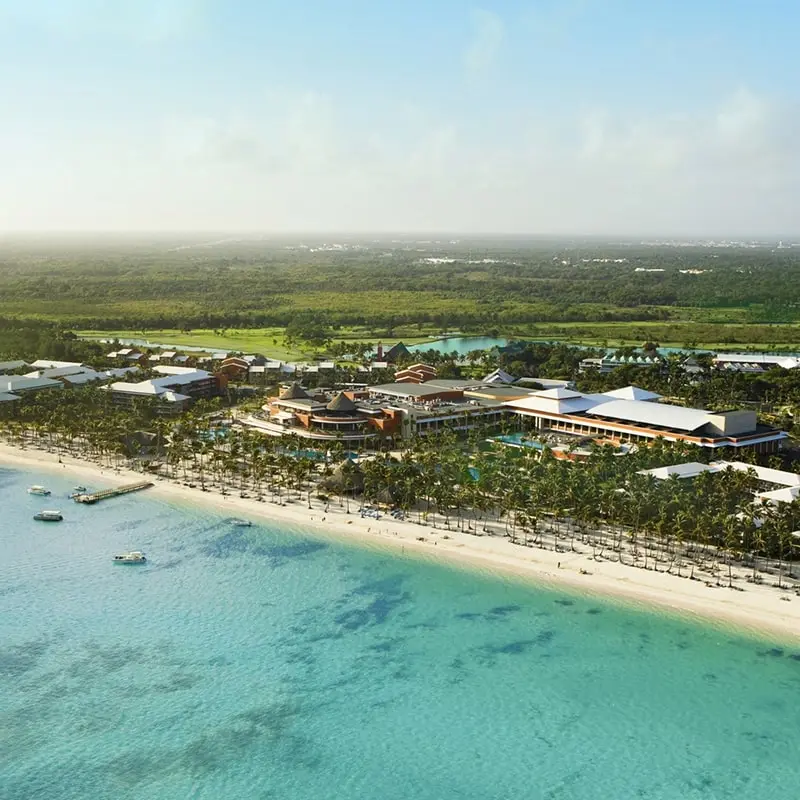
(143, 21)
(488, 32)
(300, 162)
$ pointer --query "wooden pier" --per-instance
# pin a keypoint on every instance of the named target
(104, 494)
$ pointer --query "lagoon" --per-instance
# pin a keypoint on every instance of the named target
(461, 345)
(265, 662)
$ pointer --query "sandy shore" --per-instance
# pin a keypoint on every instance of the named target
(760, 610)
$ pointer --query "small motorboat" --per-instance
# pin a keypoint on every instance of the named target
(48, 516)
(79, 489)
(40, 490)
(133, 557)
(241, 523)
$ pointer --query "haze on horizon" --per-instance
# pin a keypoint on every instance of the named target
(551, 117)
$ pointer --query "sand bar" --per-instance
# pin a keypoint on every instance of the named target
(759, 610)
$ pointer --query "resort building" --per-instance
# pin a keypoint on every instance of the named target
(394, 409)
(391, 355)
(12, 366)
(22, 384)
(609, 362)
(631, 415)
(776, 486)
(177, 386)
(499, 376)
(416, 373)
(754, 362)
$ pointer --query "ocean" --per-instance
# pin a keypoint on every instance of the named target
(264, 662)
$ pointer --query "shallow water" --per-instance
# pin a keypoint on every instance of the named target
(262, 663)
(460, 344)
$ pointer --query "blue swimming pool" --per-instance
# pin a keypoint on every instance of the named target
(518, 440)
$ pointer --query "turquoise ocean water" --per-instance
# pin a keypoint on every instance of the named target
(262, 663)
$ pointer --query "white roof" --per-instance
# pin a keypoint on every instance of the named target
(558, 401)
(85, 377)
(787, 494)
(143, 387)
(181, 378)
(499, 376)
(163, 369)
(174, 397)
(646, 413)
(748, 358)
(327, 365)
(60, 372)
(777, 476)
(169, 354)
(18, 383)
(44, 363)
(559, 393)
(120, 372)
(633, 393)
(689, 470)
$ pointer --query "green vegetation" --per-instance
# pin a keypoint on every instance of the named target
(250, 294)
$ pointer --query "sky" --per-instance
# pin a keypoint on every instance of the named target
(551, 117)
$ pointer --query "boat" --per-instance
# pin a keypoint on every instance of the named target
(40, 490)
(48, 516)
(133, 557)
(79, 489)
(241, 523)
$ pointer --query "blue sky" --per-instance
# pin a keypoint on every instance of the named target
(559, 116)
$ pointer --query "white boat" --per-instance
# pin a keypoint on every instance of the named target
(133, 557)
(79, 489)
(48, 516)
(241, 523)
(38, 490)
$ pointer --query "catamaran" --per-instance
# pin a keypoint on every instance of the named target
(132, 557)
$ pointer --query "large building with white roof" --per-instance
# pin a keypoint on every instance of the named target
(754, 362)
(177, 386)
(633, 415)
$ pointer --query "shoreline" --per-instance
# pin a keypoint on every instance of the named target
(758, 611)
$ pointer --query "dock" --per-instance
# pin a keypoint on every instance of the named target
(104, 494)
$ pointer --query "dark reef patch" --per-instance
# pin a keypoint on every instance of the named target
(502, 611)
(19, 659)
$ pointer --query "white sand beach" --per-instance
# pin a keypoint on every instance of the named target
(759, 609)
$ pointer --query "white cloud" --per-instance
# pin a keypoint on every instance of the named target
(488, 32)
(299, 163)
(143, 21)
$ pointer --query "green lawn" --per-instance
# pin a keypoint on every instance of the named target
(269, 341)
(272, 341)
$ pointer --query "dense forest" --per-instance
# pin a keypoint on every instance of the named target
(169, 283)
